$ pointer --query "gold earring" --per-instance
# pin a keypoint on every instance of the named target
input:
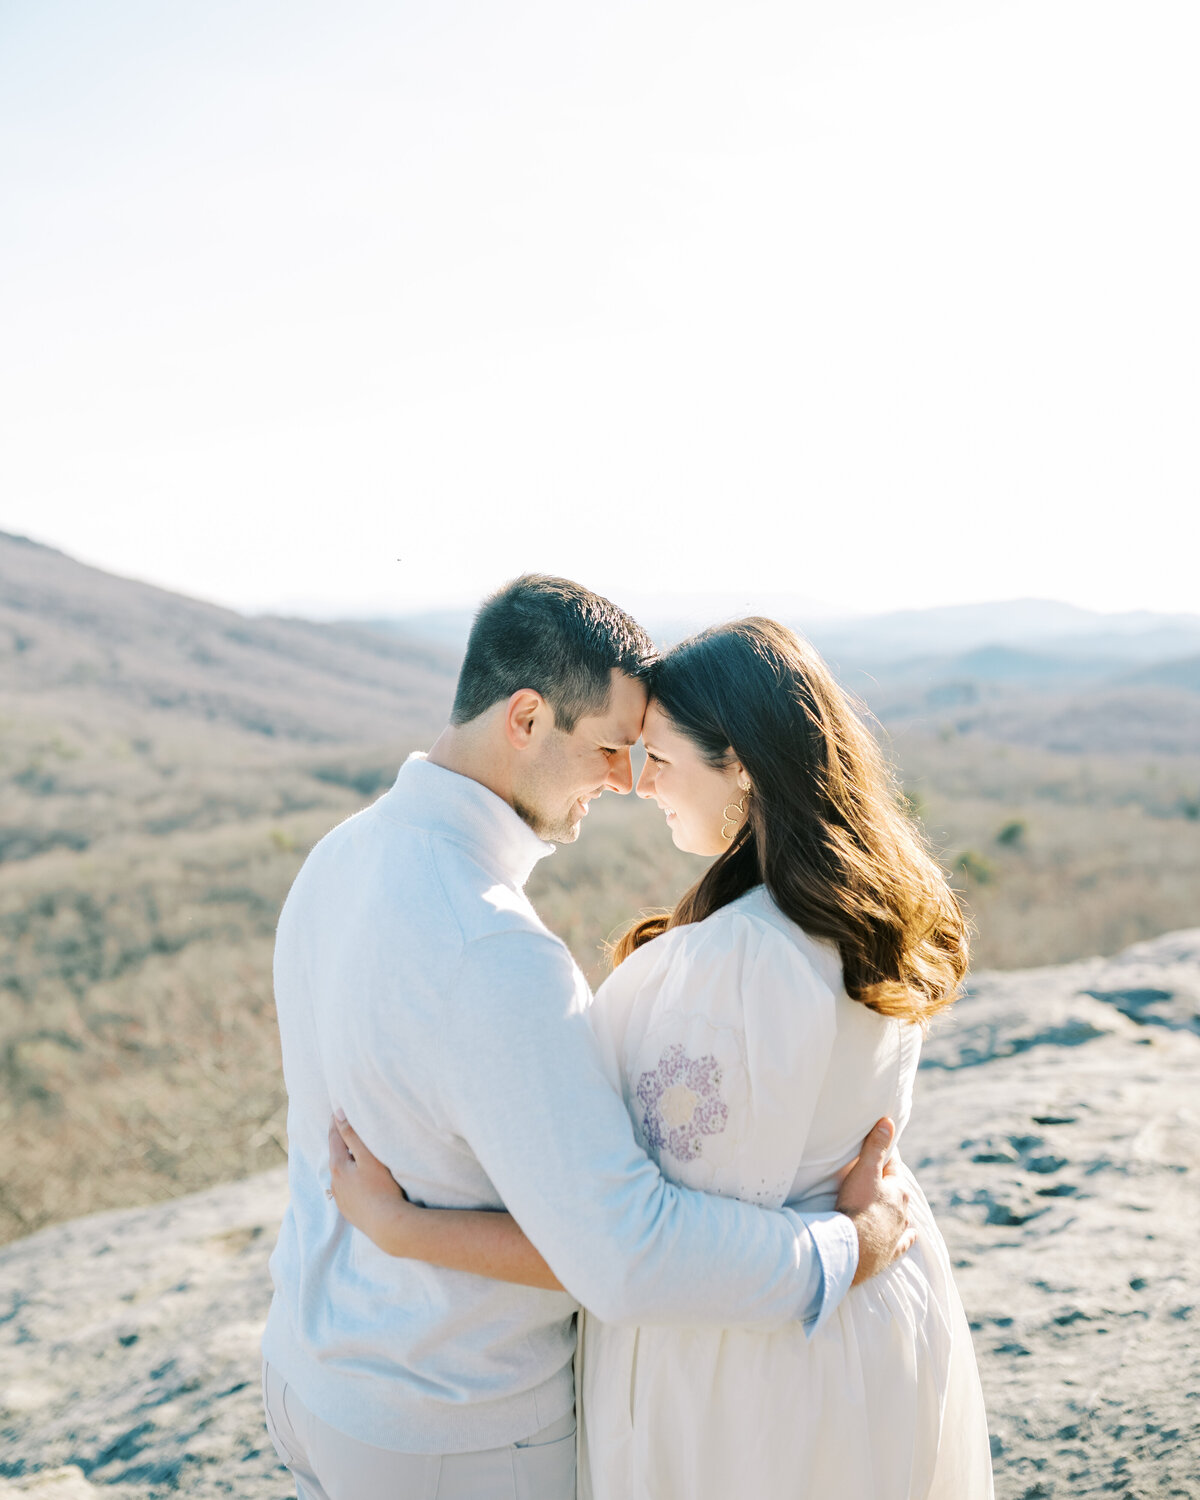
(734, 813)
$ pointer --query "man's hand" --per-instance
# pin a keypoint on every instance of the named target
(876, 1202)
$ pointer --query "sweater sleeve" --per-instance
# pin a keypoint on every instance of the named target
(523, 1084)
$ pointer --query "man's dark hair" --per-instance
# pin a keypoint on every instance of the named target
(553, 636)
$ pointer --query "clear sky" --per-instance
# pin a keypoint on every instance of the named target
(364, 308)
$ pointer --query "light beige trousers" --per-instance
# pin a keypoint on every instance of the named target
(328, 1465)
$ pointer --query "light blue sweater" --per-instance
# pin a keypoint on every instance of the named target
(417, 988)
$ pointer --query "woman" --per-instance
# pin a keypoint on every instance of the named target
(757, 1032)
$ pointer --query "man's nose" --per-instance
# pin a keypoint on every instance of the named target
(620, 773)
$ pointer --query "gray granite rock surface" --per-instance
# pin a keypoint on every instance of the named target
(1056, 1131)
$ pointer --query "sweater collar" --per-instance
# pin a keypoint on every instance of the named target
(443, 802)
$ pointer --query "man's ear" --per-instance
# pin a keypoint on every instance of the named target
(525, 714)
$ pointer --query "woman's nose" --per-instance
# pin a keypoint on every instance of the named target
(645, 782)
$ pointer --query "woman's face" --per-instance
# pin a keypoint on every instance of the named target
(692, 793)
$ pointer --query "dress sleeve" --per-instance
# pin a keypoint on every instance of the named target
(723, 1079)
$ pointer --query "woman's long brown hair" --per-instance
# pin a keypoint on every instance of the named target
(825, 830)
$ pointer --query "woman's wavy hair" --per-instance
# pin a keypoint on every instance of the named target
(826, 830)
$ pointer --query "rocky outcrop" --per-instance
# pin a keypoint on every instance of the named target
(129, 1359)
(1055, 1130)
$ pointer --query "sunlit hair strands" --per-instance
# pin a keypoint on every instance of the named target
(825, 829)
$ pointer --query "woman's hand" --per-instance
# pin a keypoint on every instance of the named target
(367, 1194)
(484, 1242)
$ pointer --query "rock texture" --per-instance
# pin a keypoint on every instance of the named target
(129, 1359)
(1056, 1131)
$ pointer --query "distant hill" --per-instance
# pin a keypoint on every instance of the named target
(1041, 626)
(1036, 671)
(75, 633)
(165, 765)
(1180, 673)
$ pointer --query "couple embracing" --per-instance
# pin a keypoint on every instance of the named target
(678, 1168)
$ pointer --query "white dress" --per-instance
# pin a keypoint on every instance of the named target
(749, 1071)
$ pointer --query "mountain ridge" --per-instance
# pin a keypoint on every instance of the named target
(69, 627)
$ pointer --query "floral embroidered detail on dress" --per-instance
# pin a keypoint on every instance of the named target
(682, 1101)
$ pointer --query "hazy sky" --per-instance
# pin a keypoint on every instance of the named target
(368, 307)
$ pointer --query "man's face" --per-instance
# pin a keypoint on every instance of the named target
(568, 770)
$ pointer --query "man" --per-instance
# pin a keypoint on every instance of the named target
(418, 990)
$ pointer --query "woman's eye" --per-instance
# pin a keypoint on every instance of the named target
(657, 759)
